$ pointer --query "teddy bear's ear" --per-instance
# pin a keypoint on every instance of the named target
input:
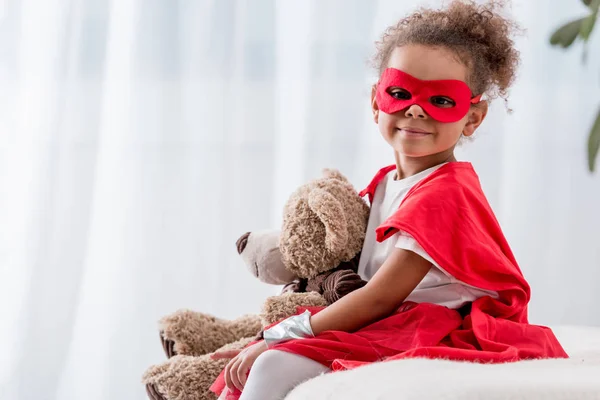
(330, 212)
(334, 174)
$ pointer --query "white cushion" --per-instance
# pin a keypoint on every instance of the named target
(575, 378)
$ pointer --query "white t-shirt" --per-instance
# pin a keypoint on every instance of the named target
(438, 286)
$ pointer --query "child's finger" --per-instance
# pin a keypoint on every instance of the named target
(225, 354)
(242, 372)
(227, 376)
(233, 371)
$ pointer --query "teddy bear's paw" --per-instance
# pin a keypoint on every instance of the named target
(276, 308)
(183, 377)
(153, 393)
(237, 345)
(167, 345)
(153, 373)
(244, 326)
(189, 332)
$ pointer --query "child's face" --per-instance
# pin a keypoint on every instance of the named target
(412, 132)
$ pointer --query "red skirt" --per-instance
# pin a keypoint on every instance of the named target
(420, 330)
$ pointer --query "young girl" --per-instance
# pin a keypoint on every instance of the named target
(443, 282)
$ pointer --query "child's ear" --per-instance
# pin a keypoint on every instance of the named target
(476, 114)
(374, 106)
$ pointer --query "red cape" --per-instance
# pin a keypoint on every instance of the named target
(449, 216)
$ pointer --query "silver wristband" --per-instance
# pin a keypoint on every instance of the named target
(294, 327)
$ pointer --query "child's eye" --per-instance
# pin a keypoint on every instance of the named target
(442, 102)
(400, 94)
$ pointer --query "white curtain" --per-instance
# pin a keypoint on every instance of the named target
(140, 138)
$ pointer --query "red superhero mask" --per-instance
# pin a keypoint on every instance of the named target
(444, 100)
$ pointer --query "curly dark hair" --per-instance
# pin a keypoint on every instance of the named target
(476, 33)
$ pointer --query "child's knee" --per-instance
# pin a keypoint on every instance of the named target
(269, 361)
(275, 372)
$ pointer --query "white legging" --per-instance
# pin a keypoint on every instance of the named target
(275, 373)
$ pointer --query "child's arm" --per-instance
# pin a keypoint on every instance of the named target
(384, 293)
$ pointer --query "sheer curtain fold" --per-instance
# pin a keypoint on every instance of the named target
(140, 139)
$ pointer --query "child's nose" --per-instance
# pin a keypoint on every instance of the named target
(415, 111)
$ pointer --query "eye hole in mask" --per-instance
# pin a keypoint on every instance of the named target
(444, 100)
(438, 101)
(399, 93)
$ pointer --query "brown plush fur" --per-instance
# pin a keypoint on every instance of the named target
(276, 308)
(330, 213)
(324, 225)
(196, 333)
(186, 377)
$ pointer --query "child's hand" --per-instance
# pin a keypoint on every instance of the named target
(236, 371)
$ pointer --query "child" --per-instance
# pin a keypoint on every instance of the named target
(443, 282)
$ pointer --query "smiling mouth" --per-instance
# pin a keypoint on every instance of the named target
(413, 132)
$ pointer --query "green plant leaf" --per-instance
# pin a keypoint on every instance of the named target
(594, 143)
(587, 26)
(566, 34)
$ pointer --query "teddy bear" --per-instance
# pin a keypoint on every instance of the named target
(261, 253)
(315, 255)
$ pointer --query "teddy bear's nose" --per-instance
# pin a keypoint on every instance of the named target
(242, 242)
